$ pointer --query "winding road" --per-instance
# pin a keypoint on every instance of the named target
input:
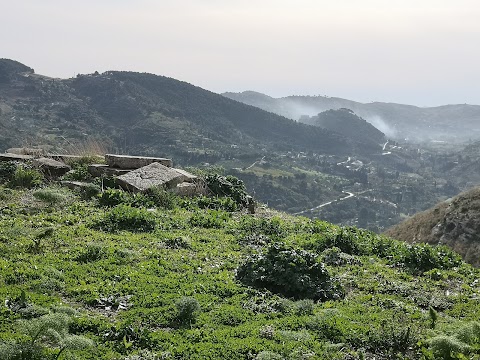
(350, 194)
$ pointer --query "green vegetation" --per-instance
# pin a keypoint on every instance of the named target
(122, 276)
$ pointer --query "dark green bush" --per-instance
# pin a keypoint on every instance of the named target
(291, 272)
(114, 197)
(253, 225)
(7, 171)
(227, 186)
(187, 309)
(79, 173)
(424, 257)
(161, 198)
(90, 190)
(124, 217)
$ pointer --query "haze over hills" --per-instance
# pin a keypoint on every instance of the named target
(449, 123)
(344, 170)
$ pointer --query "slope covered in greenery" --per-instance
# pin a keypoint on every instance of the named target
(145, 113)
(122, 276)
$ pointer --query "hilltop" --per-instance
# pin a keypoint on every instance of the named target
(101, 273)
(454, 223)
(345, 122)
(145, 113)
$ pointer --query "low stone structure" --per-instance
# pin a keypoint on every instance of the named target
(134, 162)
(51, 168)
(132, 173)
(15, 157)
(26, 151)
(99, 170)
(153, 175)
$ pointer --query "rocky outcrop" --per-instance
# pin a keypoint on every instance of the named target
(455, 223)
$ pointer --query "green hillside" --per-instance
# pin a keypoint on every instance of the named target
(122, 276)
(144, 114)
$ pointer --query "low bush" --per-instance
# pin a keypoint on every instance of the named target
(92, 252)
(114, 197)
(7, 171)
(187, 309)
(161, 198)
(124, 217)
(78, 173)
(51, 196)
(210, 219)
(26, 178)
(227, 186)
(291, 272)
(424, 257)
(217, 203)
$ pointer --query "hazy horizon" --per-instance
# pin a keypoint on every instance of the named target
(419, 53)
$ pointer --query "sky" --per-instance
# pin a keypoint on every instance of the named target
(422, 52)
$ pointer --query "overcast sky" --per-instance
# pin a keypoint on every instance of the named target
(421, 52)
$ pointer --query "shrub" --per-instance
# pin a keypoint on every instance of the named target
(424, 257)
(187, 309)
(124, 217)
(291, 272)
(51, 196)
(7, 171)
(304, 307)
(79, 173)
(447, 347)
(270, 227)
(267, 332)
(227, 186)
(210, 219)
(46, 332)
(26, 178)
(162, 198)
(93, 252)
(218, 203)
(90, 190)
(114, 197)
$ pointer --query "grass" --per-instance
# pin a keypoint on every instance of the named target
(169, 287)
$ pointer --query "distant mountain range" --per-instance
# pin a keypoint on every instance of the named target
(148, 114)
(448, 123)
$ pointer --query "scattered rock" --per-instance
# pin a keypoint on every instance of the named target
(51, 168)
(186, 189)
(134, 162)
(75, 185)
(153, 175)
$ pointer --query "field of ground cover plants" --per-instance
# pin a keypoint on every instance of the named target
(111, 275)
